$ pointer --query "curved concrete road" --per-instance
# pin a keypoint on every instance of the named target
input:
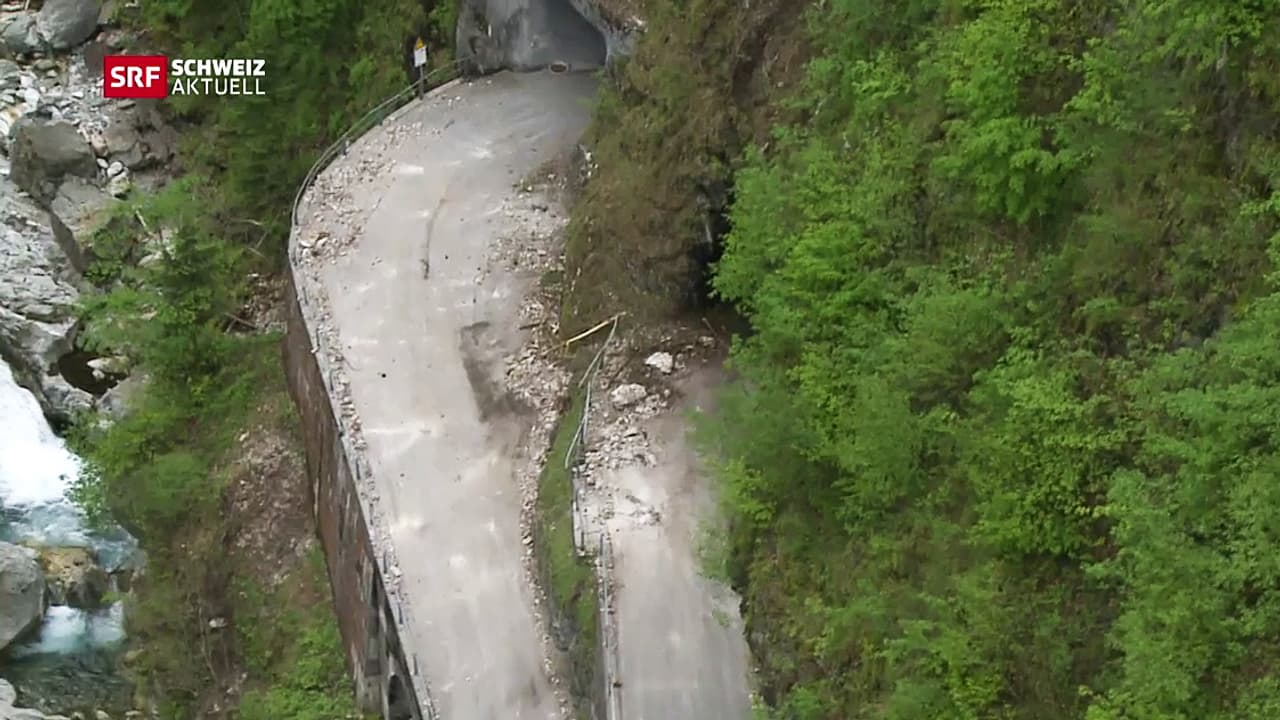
(423, 337)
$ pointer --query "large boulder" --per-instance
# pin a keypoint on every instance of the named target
(43, 151)
(74, 577)
(20, 36)
(21, 592)
(67, 23)
(38, 296)
(78, 209)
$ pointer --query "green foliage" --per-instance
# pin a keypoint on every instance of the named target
(299, 654)
(1006, 441)
(327, 63)
(569, 579)
(154, 467)
(665, 137)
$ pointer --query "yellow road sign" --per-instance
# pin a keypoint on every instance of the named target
(419, 45)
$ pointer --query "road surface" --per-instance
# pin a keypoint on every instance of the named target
(681, 652)
(422, 338)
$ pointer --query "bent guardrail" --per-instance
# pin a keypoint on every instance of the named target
(604, 545)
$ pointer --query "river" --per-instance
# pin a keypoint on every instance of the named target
(70, 664)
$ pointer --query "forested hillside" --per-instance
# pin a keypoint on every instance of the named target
(1006, 441)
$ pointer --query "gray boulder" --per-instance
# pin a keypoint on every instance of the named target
(116, 402)
(67, 23)
(21, 35)
(78, 210)
(21, 592)
(43, 151)
(121, 142)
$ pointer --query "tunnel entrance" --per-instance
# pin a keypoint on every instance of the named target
(572, 40)
(528, 35)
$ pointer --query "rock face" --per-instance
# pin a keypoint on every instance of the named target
(73, 577)
(67, 23)
(44, 151)
(38, 293)
(21, 592)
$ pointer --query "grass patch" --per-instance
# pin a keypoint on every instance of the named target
(569, 580)
(295, 651)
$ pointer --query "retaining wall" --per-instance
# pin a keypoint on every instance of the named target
(366, 616)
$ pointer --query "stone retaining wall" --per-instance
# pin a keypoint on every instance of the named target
(367, 617)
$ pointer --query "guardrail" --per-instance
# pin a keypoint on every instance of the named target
(356, 460)
(367, 122)
(604, 545)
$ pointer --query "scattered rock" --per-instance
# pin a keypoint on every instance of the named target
(67, 23)
(629, 394)
(21, 592)
(662, 362)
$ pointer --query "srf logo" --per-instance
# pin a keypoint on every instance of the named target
(135, 76)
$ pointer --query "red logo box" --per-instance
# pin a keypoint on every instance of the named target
(135, 76)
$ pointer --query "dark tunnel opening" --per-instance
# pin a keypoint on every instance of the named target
(574, 41)
(528, 35)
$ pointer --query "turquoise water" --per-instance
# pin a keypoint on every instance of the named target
(71, 660)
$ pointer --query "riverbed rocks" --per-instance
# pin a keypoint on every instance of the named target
(22, 592)
(73, 577)
(9, 710)
(71, 154)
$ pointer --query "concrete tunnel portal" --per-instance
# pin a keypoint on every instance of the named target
(527, 35)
